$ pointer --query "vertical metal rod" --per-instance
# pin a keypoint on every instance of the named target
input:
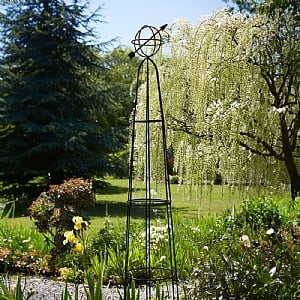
(130, 187)
(148, 186)
(172, 250)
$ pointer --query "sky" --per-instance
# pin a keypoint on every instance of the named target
(123, 19)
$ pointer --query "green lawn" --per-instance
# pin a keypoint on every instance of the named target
(187, 200)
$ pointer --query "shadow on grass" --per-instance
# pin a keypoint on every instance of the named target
(15, 210)
(112, 189)
(112, 200)
(119, 209)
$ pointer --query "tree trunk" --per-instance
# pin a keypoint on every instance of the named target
(289, 160)
(294, 179)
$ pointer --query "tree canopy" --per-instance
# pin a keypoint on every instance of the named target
(267, 7)
(120, 77)
(231, 91)
(56, 111)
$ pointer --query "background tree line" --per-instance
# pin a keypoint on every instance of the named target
(65, 102)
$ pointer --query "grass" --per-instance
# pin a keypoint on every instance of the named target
(185, 198)
(187, 201)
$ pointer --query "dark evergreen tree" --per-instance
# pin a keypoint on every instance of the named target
(55, 112)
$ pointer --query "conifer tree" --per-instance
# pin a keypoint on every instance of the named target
(55, 112)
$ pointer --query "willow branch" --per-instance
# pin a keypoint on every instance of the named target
(179, 125)
(270, 150)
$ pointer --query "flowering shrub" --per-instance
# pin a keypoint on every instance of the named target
(56, 213)
(158, 235)
(43, 212)
(75, 192)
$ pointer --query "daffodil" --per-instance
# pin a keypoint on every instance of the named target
(79, 223)
(70, 237)
(79, 248)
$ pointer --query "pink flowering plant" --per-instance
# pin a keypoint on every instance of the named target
(59, 215)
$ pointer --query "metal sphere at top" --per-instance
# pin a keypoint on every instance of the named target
(147, 41)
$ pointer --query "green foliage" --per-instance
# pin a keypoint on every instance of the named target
(22, 250)
(94, 292)
(269, 7)
(265, 266)
(109, 237)
(21, 239)
(15, 294)
(227, 256)
(242, 260)
(224, 256)
(65, 295)
(120, 75)
(119, 163)
(132, 292)
(71, 273)
(260, 214)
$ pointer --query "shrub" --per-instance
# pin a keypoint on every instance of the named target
(263, 266)
(259, 214)
(248, 255)
(53, 212)
(22, 250)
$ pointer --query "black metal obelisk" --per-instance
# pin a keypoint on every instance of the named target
(149, 196)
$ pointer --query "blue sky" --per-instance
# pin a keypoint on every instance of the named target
(124, 18)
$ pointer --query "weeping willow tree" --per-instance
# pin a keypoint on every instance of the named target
(231, 99)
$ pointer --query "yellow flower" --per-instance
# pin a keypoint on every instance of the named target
(79, 223)
(79, 248)
(70, 237)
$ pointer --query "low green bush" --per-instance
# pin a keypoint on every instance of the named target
(258, 214)
(249, 254)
